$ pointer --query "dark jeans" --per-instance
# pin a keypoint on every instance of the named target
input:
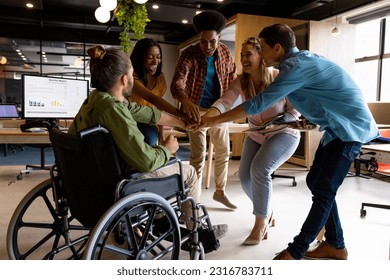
(330, 166)
(150, 133)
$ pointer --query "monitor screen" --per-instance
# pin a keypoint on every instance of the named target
(52, 98)
(8, 111)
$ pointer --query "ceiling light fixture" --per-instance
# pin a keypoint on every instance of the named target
(102, 15)
(140, 1)
(78, 62)
(3, 60)
(29, 5)
(108, 4)
(335, 30)
(155, 6)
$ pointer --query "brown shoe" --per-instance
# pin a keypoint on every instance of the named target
(325, 251)
(224, 200)
(263, 232)
(284, 255)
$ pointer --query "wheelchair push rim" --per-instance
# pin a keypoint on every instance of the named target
(134, 216)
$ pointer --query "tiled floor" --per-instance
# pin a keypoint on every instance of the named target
(366, 239)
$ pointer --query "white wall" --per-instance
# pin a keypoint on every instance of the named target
(169, 62)
(340, 49)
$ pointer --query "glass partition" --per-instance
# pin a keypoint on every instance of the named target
(43, 58)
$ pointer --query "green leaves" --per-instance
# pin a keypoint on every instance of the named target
(133, 18)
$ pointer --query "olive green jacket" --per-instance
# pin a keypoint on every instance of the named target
(120, 118)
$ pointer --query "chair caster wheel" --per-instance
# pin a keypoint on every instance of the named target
(19, 177)
(363, 213)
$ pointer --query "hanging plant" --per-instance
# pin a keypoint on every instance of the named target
(133, 17)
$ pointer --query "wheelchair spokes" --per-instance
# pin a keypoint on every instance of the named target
(135, 216)
(40, 232)
(141, 224)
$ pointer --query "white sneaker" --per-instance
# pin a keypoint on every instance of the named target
(220, 230)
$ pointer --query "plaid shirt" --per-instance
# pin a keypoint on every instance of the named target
(191, 70)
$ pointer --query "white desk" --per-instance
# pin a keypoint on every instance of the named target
(381, 154)
(381, 151)
(13, 135)
(237, 136)
(10, 133)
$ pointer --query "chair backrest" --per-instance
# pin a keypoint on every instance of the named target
(89, 169)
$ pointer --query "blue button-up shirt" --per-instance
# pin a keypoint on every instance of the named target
(324, 93)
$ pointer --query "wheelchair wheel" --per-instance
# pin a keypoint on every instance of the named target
(128, 230)
(197, 252)
(40, 230)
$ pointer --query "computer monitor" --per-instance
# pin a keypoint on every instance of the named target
(8, 111)
(51, 98)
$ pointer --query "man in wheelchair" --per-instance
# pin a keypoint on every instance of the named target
(112, 77)
(110, 195)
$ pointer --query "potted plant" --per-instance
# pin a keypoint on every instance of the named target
(133, 17)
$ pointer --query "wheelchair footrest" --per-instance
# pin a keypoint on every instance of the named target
(206, 237)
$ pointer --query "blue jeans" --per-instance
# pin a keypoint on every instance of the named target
(150, 133)
(257, 164)
(330, 166)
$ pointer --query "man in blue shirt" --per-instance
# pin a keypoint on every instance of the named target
(326, 95)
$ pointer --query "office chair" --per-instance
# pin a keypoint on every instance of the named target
(42, 166)
(294, 182)
(11, 148)
(9, 111)
(41, 124)
(373, 166)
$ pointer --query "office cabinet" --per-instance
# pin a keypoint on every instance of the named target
(304, 154)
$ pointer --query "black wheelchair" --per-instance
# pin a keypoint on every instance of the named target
(90, 208)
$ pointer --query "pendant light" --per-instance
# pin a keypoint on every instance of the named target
(335, 30)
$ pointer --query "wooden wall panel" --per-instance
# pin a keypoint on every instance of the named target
(251, 25)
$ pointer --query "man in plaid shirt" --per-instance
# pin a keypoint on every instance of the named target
(202, 75)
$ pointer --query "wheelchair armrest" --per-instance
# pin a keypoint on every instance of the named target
(91, 130)
(136, 175)
(170, 162)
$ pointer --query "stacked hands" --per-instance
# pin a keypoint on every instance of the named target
(195, 117)
(192, 121)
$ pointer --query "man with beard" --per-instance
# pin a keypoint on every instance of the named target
(107, 105)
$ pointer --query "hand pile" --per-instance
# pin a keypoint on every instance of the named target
(195, 123)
